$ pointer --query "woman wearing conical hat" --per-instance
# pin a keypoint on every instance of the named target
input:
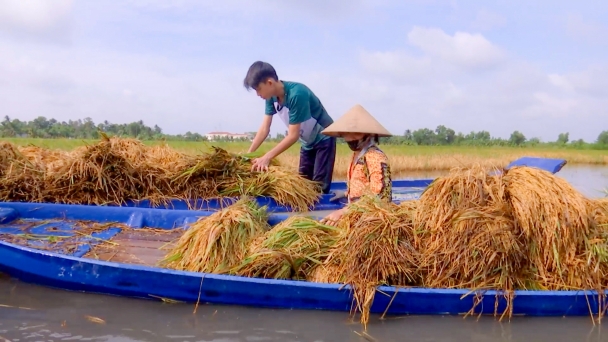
(369, 170)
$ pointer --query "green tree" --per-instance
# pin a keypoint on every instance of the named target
(444, 135)
(563, 138)
(602, 139)
(424, 136)
(517, 138)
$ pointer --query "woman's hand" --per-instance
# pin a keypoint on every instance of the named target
(333, 218)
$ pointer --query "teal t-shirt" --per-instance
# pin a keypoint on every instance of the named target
(301, 106)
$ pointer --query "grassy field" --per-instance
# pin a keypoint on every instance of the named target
(403, 159)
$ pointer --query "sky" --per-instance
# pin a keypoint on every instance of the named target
(540, 67)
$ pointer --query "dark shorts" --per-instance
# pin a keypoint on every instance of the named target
(317, 164)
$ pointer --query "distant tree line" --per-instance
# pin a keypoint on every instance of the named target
(446, 136)
(42, 127)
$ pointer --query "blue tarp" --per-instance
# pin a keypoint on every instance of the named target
(547, 164)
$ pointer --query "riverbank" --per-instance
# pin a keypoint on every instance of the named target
(402, 158)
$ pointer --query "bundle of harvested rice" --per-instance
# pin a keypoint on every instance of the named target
(461, 189)
(325, 273)
(22, 182)
(374, 248)
(21, 179)
(8, 154)
(284, 186)
(42, 156)
(596, 250)
(409, 207)
(290, 250)
(223, 174)
(116, 170)
(467, 235)
(217, 243)
(168, 159)
(201, 174)
(131, 149)
(109, 172)
(598, 209)
(480, 250)
(554, 220)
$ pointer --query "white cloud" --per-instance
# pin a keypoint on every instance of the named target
(488, 20)
(396, 64)
(35, 17)
(276, 10)
(119, 87)
(592, 82)
(549, 106)
(561, 82)
(442, 85)
(463, 49)
(586, 29)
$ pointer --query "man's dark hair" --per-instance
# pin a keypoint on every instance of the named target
(259, 72)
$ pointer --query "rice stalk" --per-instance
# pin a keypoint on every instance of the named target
(467, 235)
(554, 220)
(217, 243)
(374, 247)
(21, 178)
(285, 187)
(105, 173)
(290, 250)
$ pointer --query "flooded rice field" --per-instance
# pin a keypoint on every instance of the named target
(34, 313)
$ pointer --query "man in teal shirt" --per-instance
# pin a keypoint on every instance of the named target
(304, 115)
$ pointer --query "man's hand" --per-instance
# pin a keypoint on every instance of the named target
(260, 164)
(338, 194)
(333, 218)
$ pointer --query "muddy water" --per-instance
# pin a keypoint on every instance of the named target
(56, 315)
(35, 313)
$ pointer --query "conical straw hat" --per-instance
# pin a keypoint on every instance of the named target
(356, 120)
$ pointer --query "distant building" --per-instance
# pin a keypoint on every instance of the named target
(211, 136)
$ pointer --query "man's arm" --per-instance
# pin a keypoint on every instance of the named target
(261, 134)
(293, 134)
(299, 111)
(261, 164)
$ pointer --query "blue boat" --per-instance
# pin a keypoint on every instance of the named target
(76, 268)
(403, 190)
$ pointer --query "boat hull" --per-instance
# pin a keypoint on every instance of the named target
(78, 274)
(113, 278)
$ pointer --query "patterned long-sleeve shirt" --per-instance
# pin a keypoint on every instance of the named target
(371, 173)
